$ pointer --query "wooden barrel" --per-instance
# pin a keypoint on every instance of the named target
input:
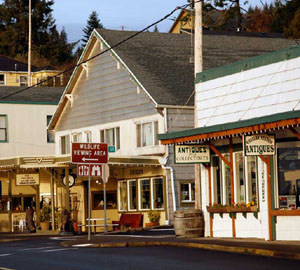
(189, 223)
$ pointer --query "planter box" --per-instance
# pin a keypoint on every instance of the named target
(244, 209)
(221, 209)
(231, 209)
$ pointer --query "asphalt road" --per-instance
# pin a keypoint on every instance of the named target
(47, 254)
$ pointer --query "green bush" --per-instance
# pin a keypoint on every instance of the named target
(45, 213)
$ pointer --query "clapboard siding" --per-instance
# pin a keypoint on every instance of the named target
(180, 119)
(105, 94)
(257, 92)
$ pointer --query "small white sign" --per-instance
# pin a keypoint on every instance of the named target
(191, 154)
(89, 170)
(259, 145)
(27, 179)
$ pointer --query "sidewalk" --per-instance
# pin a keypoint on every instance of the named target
(278, 249)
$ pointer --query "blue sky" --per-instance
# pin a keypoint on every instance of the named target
(131, 14)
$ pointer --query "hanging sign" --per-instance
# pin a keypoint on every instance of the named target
(192, 153)
(27, 179)
(259, 145)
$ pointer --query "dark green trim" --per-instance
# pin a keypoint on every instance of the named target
(250, 63)
(228, 126)
(29, 102)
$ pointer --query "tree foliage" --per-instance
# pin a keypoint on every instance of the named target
(47, 42)
(92, 22)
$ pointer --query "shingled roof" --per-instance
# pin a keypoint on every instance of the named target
(45, 95)
(9, 64)
(161, 61)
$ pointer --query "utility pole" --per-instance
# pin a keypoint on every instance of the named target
(198, 67)
(29, 44)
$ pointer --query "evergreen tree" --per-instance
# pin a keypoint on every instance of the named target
(92, 22)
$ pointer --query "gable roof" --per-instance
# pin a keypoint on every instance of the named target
(9, 64)
(161, 61)
(33, 95)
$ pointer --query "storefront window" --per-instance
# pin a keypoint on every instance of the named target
(144, 185)
(158, 193)
(98, 200)
(289, 177)
(239, 176)
(132, 194)
(17, 204)
(217, 182)
(252, 178)
(122, 188)
(3, 204)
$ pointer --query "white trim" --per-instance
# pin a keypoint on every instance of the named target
(128, 195)
(139, 195)
(152, 194)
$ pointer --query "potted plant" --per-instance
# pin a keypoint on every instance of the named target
(154, 217)
(45, 216)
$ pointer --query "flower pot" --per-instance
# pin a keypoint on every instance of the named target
(151, 224)
(45, 226)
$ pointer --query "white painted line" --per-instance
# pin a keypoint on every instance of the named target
(59, 249)
(82, 245)
(61, 238)
(37, 248)
(4, 268)
(3, 255)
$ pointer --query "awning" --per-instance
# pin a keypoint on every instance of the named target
(263, 124)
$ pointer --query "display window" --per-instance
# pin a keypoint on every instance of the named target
(122, 195)
(158, 193)
(144, 192)
(98, 200)
(132, 195)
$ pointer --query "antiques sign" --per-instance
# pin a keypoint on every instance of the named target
(191, 154)
(259, 144)
(27, 179)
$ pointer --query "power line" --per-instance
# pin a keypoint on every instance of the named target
(97, 55)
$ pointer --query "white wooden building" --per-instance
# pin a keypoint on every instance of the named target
(250, 195)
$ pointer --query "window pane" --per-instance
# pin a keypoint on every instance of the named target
(227, 181)
(2, 121)
(155, 133)
(50, 136)
(117, 138)
(217, 176)
(239, 176)
(2, 79)
(28, 201)
(158, 193)
(63, 145)
(88, 136)
(193, 191)
(132, 195)
(147, 134)
(2, 134)
(185, 192)
(138, 135)
(122, 196)
(17, 204)
(98, 200)
(68, 144)
(23, 80)
(288, 177)
(3, 205)
(145, 193)
(252, 176)
(110, 136)
(102, 136)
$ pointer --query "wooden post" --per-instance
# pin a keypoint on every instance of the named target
(67, 189)
(208, 168)
(232, 185)
(198, 63)
(52, 200)
(37, 204)
(10, 201)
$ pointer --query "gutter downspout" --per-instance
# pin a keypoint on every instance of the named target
(164, 162)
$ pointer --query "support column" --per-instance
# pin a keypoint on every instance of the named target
(52, 200)
(10, 201)
(208, 168)
(232, 185)
(67, 189)
(37, 204)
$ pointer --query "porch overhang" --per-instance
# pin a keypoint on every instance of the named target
(263, 124)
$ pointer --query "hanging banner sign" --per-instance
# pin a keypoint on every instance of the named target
(27, 179)
(259, 144)
(192, 153)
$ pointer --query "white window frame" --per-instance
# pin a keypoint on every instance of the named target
(139, 137)
(152, 193)
(128, 195)
(5, 128)
(76, 137)
(140, 197)
(67, 145)
(116, 134)
(23, 83)
(88, 136)
(4, 79)
(190, 200)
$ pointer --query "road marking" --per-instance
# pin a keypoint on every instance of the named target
(82, 245)
(37, 248)
(139, 236)
(61, 238)
(3, 255)
(60, 249)
(4, 268)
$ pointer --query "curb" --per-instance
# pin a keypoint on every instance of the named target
(240, 250)
(10, 240)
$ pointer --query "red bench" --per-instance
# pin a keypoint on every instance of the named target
(128, 220)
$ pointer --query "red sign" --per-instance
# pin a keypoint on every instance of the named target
(89, 153)
(89, 170)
